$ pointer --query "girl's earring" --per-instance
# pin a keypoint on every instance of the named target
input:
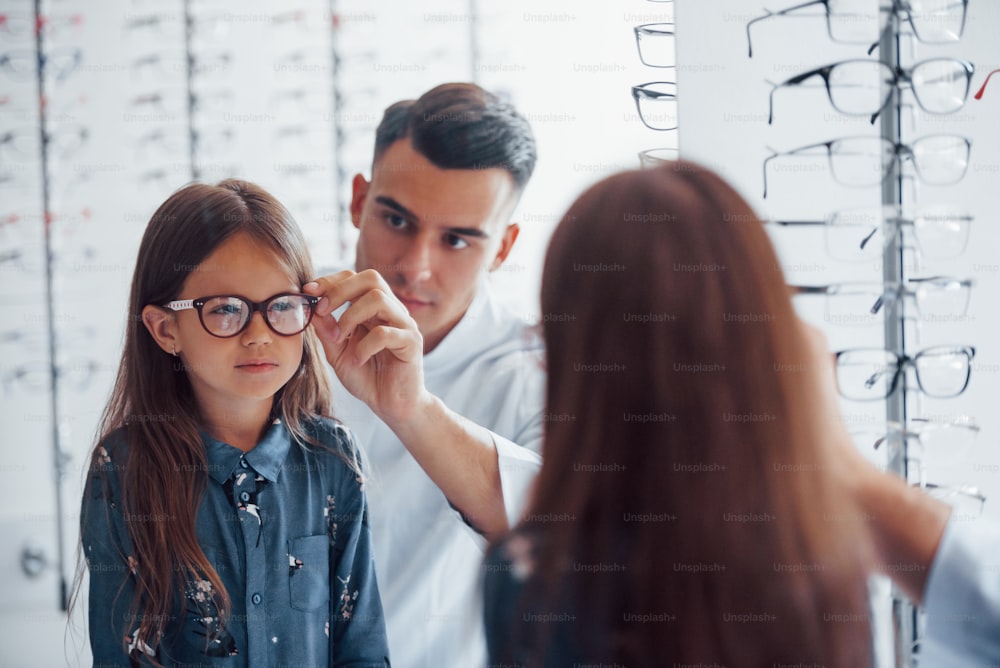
(173, 350)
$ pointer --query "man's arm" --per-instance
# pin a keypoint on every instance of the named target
(376, 351)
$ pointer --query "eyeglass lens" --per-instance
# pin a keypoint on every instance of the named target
(866, 161)
(655, 42)
(656, 103)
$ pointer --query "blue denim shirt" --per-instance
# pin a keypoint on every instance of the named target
(286, 528)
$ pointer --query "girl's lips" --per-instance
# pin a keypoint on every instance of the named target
(257, 366)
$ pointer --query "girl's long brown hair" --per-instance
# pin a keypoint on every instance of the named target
(165, 472)
(681, 508)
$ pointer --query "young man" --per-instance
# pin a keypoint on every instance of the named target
(442, 386)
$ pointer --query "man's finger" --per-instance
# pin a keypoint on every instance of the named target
(342, 287)
(375, 307)
(405, 345)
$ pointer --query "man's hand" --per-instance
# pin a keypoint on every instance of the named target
(377, 352)
(375, 348)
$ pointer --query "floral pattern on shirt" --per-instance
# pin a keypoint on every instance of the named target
(347, 600)
(201, 605)
(331, 518)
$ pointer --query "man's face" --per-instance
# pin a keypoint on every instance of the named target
(432, 233)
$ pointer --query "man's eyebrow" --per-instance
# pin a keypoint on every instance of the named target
(403, 211)
(396, 206)
(468, 232)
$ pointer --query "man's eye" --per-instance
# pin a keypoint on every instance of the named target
(455, 241)
(395, 221)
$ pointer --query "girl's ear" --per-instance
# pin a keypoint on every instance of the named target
(162, 326)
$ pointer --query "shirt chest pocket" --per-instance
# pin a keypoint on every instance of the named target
(309, 572)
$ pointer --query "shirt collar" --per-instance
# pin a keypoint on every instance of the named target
(266, 458)
(453, 348)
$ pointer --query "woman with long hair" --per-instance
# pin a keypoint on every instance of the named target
(224, 519)
(683, 514)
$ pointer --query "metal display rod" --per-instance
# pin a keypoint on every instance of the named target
(893, 269)
(58, 459)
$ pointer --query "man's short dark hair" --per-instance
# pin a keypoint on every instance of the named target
(462, 126)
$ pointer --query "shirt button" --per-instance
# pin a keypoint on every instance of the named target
(256, 599)
(244, 496)
(243, 463)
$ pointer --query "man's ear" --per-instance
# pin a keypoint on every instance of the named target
(162, 326)
(506, 243)
(359, 191)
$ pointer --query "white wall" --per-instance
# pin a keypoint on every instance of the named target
(567, 65)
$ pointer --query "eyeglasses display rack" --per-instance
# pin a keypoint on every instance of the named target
(905, 616)
(58, 452)
(941, 371)
(656, 102)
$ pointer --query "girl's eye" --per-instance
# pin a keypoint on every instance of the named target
(227, 309)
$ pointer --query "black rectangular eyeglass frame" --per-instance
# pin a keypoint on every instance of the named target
(899, 76)
(904, 360)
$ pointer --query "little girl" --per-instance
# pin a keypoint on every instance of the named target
(224, 521)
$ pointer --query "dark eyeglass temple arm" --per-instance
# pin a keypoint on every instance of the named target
(864, 242)
(810, 289)
(893, 293)
(888, 25)
(823, 72)
(774, 154)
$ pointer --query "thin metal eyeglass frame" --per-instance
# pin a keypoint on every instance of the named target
(900, 7)
(926, 426)
(894, 292)
(899, 152)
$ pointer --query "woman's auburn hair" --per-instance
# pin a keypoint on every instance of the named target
(165, 469)
(685, 445)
